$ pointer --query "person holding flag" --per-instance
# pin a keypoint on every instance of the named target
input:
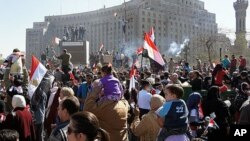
(213, 105)
(132, 77)
(153, 51)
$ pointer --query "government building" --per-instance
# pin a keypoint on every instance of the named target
(124, 25)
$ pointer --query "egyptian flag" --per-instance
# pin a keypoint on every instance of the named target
(101, 47)
(153, 51)
(139, 51)
(56, 41)
(152, 34)
(212, 124)
(132, 77)
(37, 73)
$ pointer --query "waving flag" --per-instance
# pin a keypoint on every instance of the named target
(153, 51)
(101, 47)
(57, 40)
(152, 34)
(36, 75)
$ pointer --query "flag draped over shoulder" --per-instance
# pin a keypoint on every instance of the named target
(153, 51)
(37, 73)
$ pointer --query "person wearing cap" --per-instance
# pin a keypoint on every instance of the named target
(173, 115)
(147, 128)
(144, 97)
(20, 119)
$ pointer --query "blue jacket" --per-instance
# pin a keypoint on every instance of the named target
(82, 92)
(175, 113)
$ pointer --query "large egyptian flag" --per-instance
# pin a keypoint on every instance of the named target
(152, 50)
(37, 73)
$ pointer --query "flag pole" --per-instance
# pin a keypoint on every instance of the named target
(141, 63)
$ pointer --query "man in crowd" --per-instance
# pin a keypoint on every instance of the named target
(226, 62)
(144, 97)
(243, 63)
(233, 65)
(67, 107)
(83, 90)
(66, 64)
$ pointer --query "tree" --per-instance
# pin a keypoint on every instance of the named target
(207, 47)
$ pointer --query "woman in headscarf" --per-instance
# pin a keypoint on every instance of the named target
(218, 75)
(20, 119)
(196, 81)
(213, 105)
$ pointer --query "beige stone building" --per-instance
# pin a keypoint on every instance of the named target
(173, 20)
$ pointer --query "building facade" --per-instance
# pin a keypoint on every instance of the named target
(173, 21)
(240, 7)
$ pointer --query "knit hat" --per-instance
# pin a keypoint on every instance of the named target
(156, 101)
(2, 106)
(18, 101)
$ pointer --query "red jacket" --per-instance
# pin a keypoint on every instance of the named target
(21, 121)
(243, 62)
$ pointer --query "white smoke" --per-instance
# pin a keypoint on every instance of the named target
(129, 49)
(176, 49)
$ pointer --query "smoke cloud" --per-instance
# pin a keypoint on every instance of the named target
(129, 49)
(176, 49)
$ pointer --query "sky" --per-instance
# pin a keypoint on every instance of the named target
(17, 15)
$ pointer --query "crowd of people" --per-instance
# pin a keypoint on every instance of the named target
(96, 104)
